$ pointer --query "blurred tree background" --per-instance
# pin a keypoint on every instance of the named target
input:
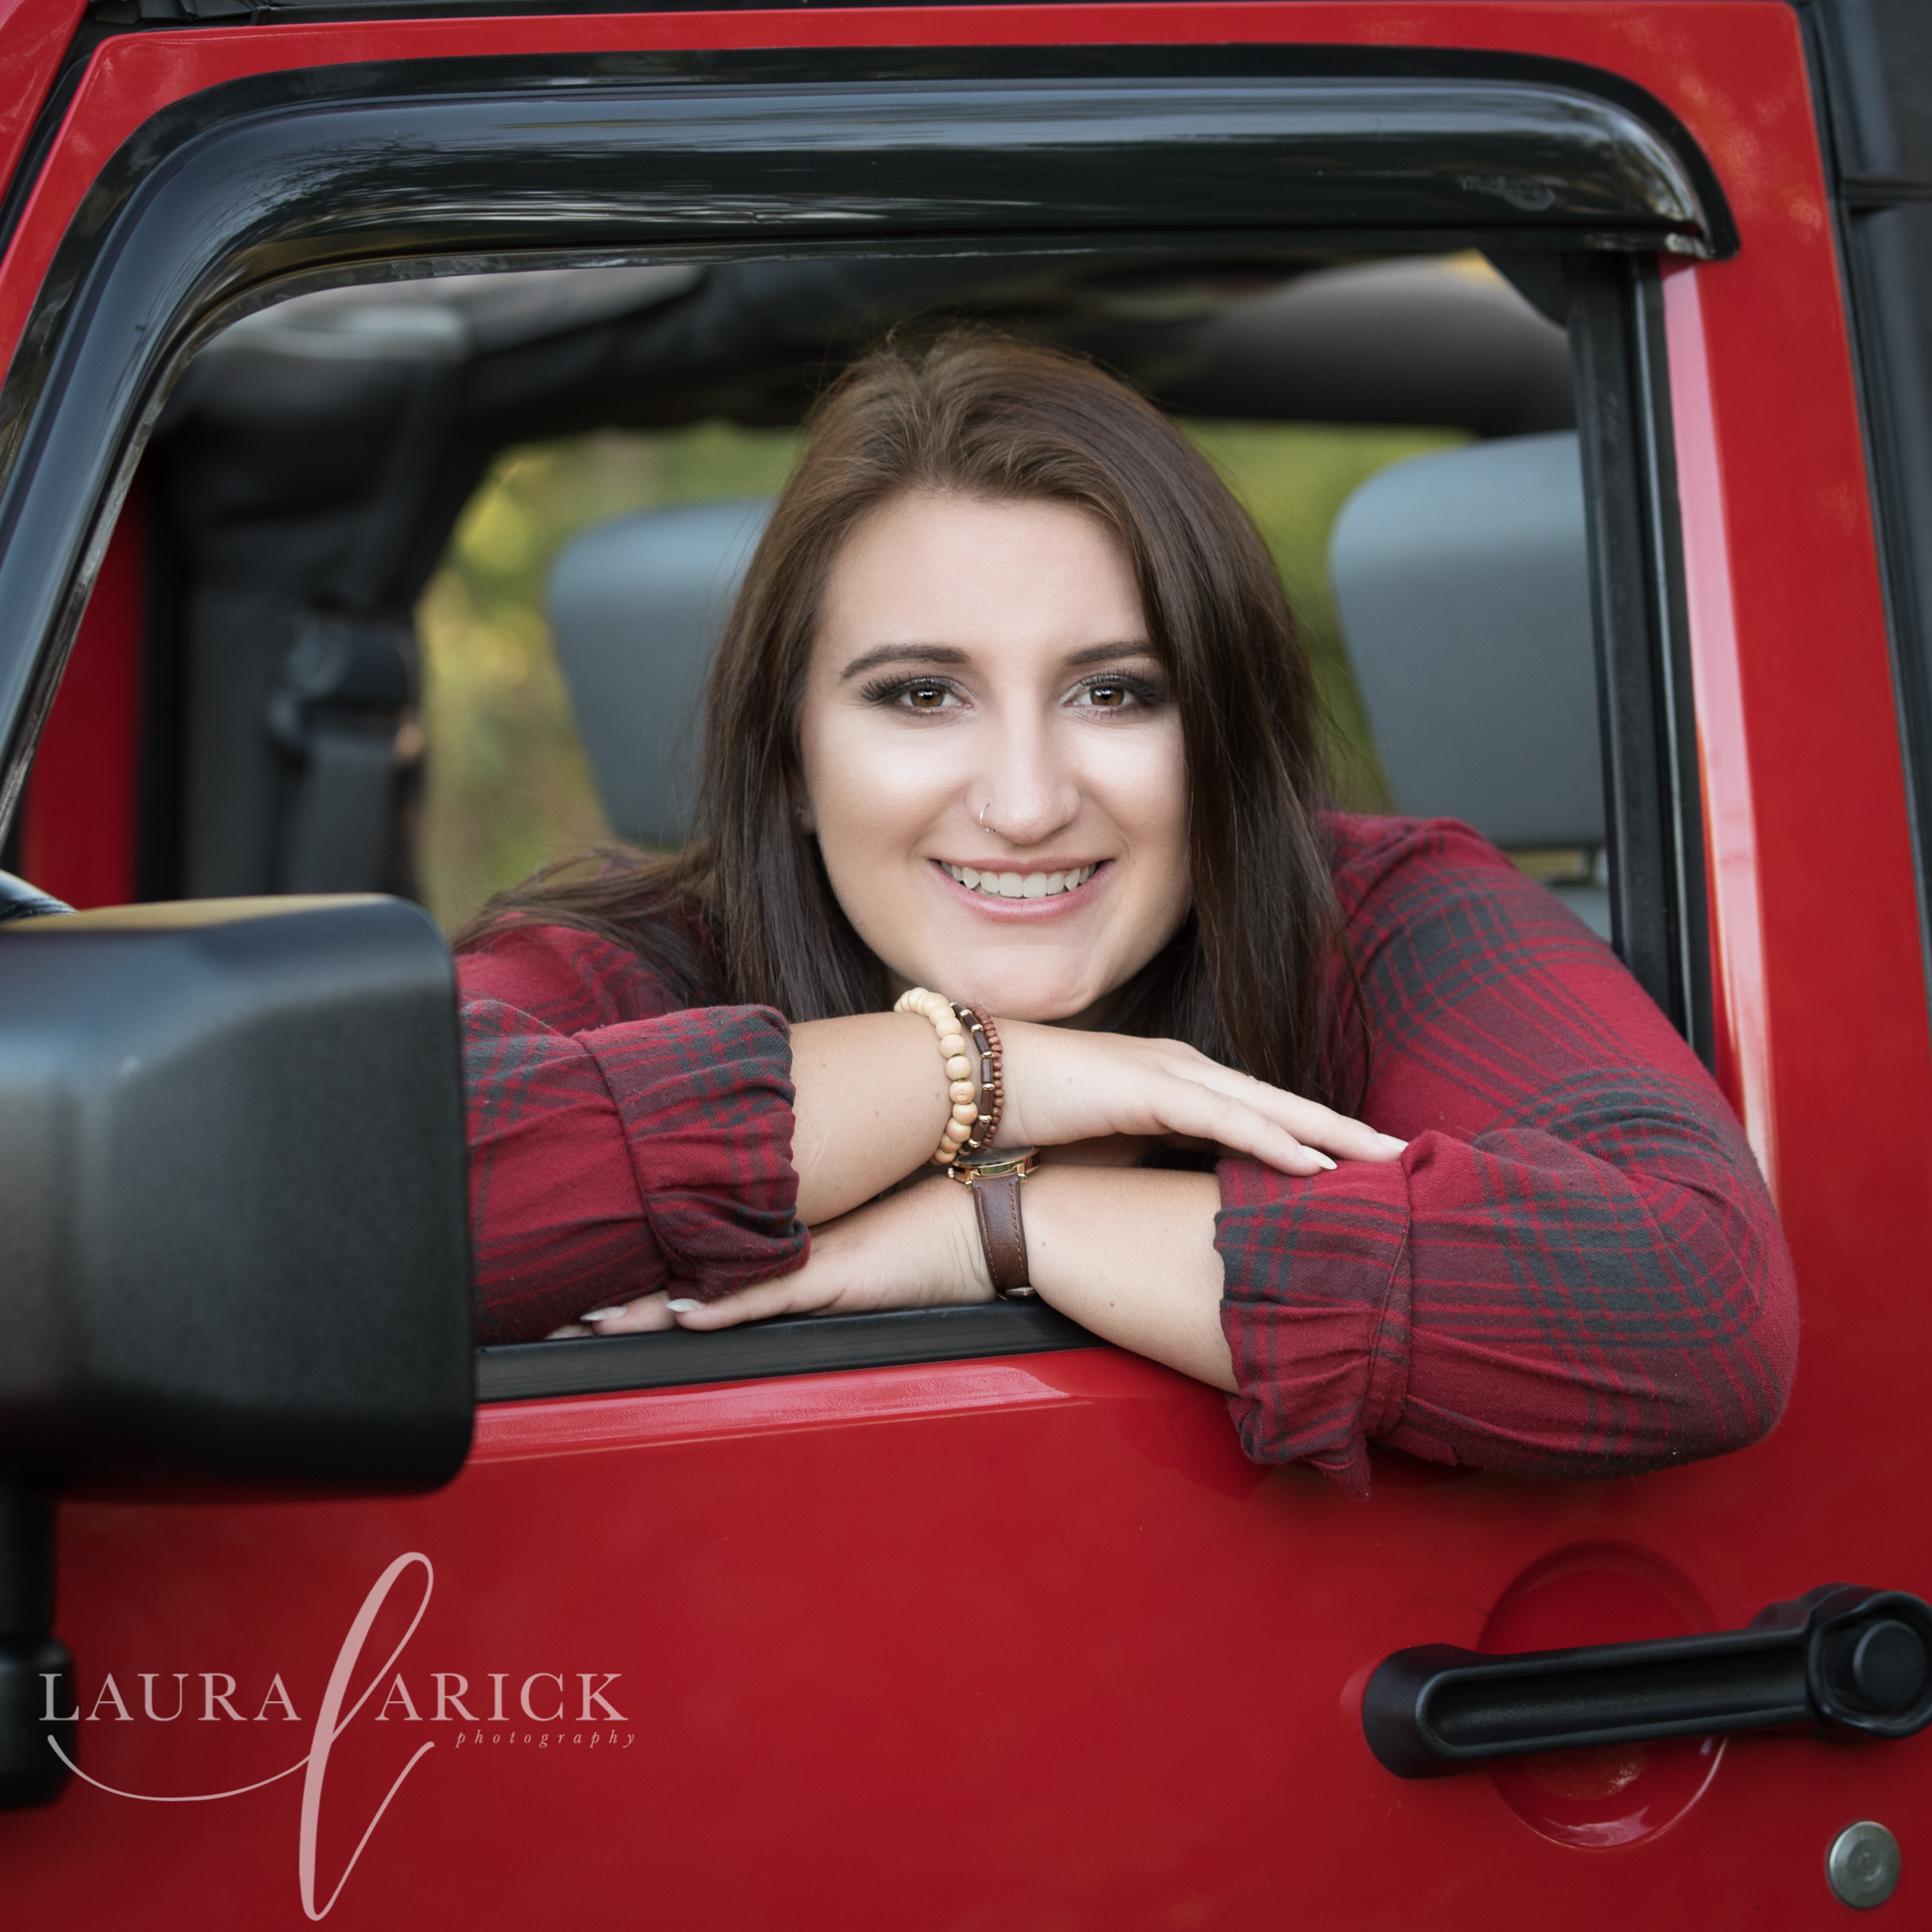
(508, 787)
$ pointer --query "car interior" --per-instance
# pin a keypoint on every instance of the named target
(313, 460)
(317, 461)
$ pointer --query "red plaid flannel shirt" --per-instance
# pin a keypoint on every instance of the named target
(1574, 1270)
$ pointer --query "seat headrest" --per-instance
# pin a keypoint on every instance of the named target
(1463, 583)
(637, 607)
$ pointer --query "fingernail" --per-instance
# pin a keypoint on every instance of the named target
(1391, 1143)
(1322, 1157)
(684, 1308)
(600, 1314)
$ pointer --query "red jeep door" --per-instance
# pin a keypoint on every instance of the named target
(956, 1617)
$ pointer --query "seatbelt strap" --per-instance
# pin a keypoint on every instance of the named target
(342, 812)
(338, 714)
(351, 676)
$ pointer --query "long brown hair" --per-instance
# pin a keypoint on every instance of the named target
(745, 913)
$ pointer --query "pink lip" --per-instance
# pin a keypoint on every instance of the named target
(1061, 902)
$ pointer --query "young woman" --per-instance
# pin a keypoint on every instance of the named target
(1011, 718)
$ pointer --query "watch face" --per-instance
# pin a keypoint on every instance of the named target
(1018, 1161)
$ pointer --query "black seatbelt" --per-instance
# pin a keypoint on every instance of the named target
(341, 715)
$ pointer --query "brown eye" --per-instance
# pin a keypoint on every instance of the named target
(925, 697)
(1103, 693)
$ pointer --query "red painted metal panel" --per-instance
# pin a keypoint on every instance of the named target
(1009, 1643)
(78, 819)
(33, 36)
(1737, 962)
(1021, 1642)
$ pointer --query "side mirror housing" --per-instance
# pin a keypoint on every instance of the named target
(234, 1233)
(234, 1241)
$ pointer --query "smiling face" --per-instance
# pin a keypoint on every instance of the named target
(973, 654)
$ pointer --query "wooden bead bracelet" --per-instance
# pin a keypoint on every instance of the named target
(976, 1107)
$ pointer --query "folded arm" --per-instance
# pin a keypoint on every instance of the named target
(647, 1155)
(625, 1152)
(1593, 1287)
(1576, 1269)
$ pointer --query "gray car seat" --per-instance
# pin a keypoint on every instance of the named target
(637, 607)
(1463, 583)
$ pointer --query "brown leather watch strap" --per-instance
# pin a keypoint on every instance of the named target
(996, 1199)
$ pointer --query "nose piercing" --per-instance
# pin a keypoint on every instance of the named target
(983, 811)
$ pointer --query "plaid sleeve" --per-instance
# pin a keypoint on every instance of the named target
(609, 1160)
(1574, 1271)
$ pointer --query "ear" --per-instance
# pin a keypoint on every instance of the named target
(802, 817)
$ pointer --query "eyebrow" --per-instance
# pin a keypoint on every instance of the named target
(952, 654)
(1111, 653)
(904, 654)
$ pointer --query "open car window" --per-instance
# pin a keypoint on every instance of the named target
(437, 648)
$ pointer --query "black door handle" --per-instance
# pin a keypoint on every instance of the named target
(1841, 1658)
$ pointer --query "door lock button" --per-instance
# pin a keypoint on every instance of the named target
(1888, 1666)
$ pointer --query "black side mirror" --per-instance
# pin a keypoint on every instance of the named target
(234, 1238)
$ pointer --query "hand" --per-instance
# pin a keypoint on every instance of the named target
(918, 1248)
(1064, 1085)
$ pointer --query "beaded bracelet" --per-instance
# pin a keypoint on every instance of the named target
(992, 1081)
(968, 1129)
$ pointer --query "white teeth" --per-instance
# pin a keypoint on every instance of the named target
(1017, 885)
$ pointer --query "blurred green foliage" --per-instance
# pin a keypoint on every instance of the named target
(508, 787)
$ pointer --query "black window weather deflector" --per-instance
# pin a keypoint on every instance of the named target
(257, 188)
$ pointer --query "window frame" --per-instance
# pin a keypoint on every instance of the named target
(1660, 918)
